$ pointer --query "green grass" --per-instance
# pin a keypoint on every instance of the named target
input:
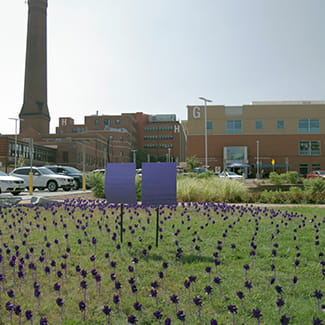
(202, 232)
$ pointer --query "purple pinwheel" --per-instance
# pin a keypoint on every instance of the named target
(43, 321)
(280, 304)
(198, 302)
(29, 315)
(116, 301)
(82, 308)
(132, 319)
(232, 309)
(181, 316)
(175, 300)
(284, 320)
(107, 311)
(256, 313)
(318, 295)
(158, 315)
(317, 321)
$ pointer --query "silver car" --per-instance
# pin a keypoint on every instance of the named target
(44, 178)
(231, 175)
(11, 184)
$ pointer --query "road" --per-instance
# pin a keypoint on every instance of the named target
(25, 196)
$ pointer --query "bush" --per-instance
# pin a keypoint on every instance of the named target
(285, 178)
(96, 183)
(314, 185)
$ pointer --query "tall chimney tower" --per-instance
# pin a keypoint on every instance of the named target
(35, 113)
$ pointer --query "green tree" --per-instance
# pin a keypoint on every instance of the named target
(192, 162)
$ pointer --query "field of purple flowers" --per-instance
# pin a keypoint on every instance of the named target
(69, 263)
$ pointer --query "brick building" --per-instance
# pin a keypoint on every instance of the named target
(268, 136)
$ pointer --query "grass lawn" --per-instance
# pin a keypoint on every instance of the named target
(214, 264)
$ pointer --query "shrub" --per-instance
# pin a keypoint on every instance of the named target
(96, 183)
(285, 178)
(314, 185)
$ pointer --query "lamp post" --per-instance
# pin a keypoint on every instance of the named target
(134, 155)
(16, 119)
(205, 130)
(257, 159)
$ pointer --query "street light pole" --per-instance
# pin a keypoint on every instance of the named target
(16, 119)
(257, 159)
(205, 130)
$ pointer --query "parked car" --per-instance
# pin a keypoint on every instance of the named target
(11, 184)
(44, 178)
(316, 173)
(231, 175)
(75, 173)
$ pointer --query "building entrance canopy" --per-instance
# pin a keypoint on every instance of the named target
(237, 164)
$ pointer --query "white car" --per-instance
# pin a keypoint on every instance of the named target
(44, 178)
(11, 184)
(231, 175)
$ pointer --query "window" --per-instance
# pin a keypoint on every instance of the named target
(259, 124)
(111, 137)
(96, 122)
(117, 122)
(315, 167)
(308, 125)
(65, 156)
(303, 169)
(234, 127)
(309, 148)
(121, 139)
(280, 124)
(107, 122)
(121, 153)
(209, 125)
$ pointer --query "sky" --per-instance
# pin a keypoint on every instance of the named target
(158, 56)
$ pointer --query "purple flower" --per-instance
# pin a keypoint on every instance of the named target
(59, 302)
(158, 314)
(28, 314)
(232, 309)
(137, 306)
(248, 285)
(256, 313)
(82, 306)
(132, 319)
(197, 301)
(43, 321)
(116, 299)
(106, 310)
(180, 315)
(317, 321)
(278, 289)
(284, 320)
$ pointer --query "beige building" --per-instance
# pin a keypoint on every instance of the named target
(281, 136)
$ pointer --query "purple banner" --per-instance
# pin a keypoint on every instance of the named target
(120, 183)
(158, 183)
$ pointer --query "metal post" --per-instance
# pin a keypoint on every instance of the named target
(257, 159)
(16, 119)
(205, 130)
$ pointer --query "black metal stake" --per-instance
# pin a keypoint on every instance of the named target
(121, 224)
(157, 225)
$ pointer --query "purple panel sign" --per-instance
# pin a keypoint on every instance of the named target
(158, 183)
(120, 183)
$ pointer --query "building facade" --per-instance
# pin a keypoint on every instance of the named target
(268, 136)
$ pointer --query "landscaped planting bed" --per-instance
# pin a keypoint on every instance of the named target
(215, 264)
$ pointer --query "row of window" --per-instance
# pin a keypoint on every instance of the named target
(304, 126)
(152, 145)
(159, 128)
(111, 137)
(156, 137)
(108, 122)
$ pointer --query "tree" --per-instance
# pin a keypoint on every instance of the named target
(192, 162)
